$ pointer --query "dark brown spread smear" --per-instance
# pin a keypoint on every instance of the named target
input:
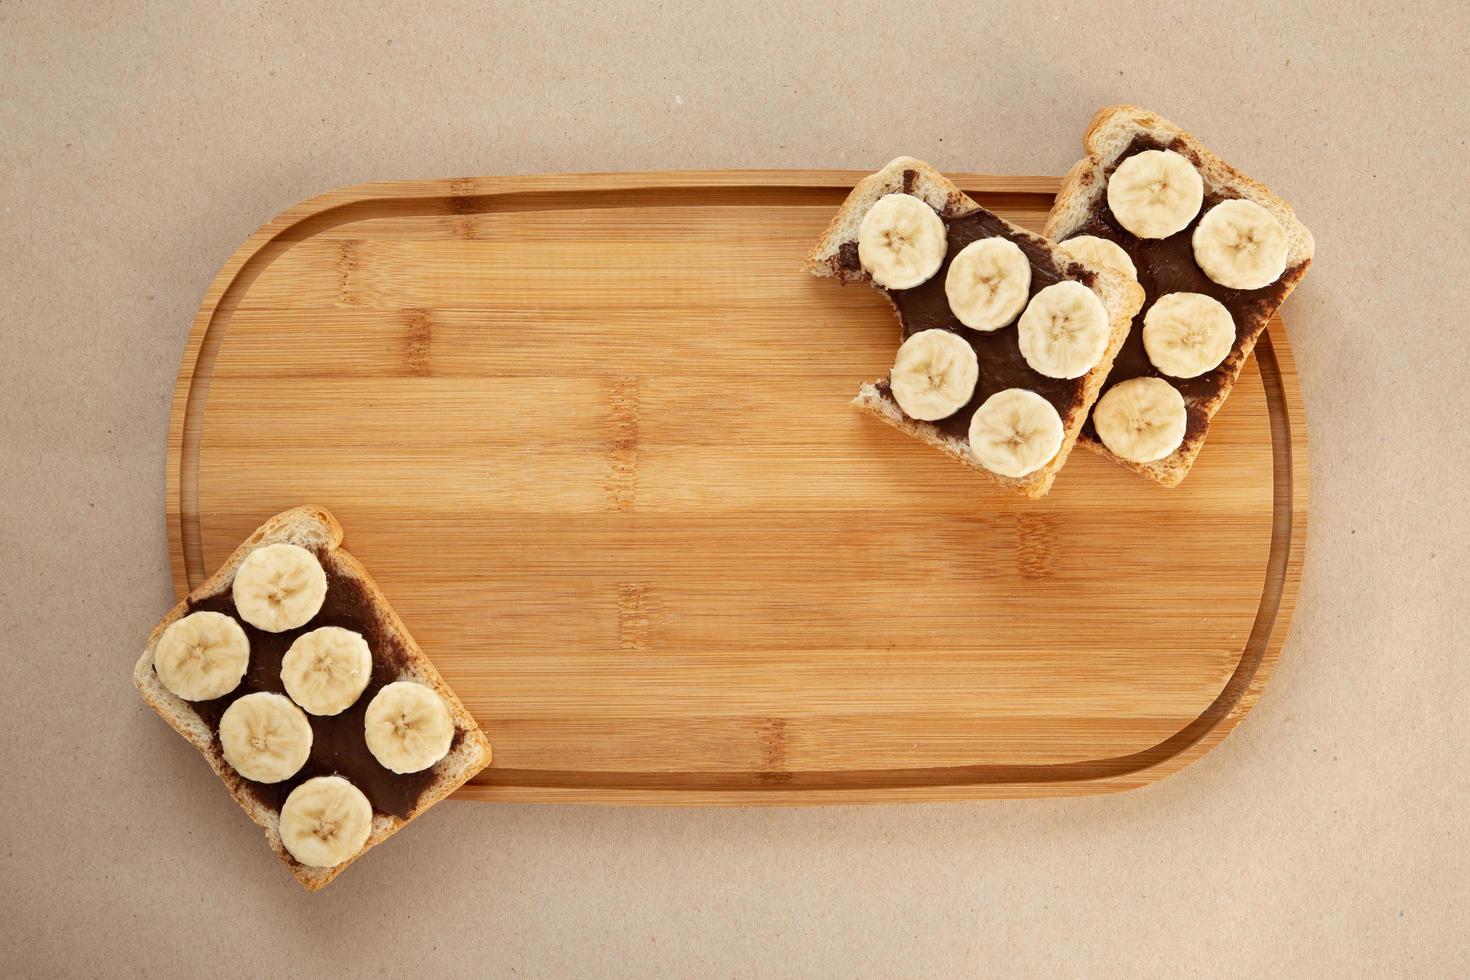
(926, 307)
(338, 746)
(1166, 265)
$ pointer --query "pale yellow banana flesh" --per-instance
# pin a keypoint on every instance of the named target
(1241, 245)
(901, 241)
(987, 283)
(1100, 254)
(1155, 193)
(408, 727)
(1142, 420)
(1064, 331)
(202, 656)
(1187, 334)
(1015, 432)
(327, 669)
(265, 737)
(933, 375)
(325, 821)
(279, 587)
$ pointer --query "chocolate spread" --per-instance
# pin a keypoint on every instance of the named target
(926, 307)
(1166, 265)
(338, 746)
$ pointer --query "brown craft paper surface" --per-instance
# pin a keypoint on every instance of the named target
(140, 144)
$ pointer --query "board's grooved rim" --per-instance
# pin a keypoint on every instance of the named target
(306, 220)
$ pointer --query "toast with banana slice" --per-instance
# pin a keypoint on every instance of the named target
(1006, 339)
(292, 675)
(1216, 253)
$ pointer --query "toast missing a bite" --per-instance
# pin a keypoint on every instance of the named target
(1178, 257)
(996, 384)
(339, 749)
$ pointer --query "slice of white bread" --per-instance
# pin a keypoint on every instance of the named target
(316, 530)
(1111, 133)
(1120, 295)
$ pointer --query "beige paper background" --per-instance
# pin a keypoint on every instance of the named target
(141, 143)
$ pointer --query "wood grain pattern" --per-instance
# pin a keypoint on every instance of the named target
(591, 434)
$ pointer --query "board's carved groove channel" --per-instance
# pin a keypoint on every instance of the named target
(620, 447)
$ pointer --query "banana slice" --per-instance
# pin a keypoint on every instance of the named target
(265, 737)
(933, 375)
(408, 727)
(1064, 331)
(1141, 420)
(325, 821)
(1015, 432)
(1241, 245)
(279, 587)
(326, 670)
(1187, 334)
(901, 241)
(202, 656)
(1155, 193)
(1099, 253)
(987, 283)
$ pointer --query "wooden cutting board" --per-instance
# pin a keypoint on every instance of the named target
(592, 436)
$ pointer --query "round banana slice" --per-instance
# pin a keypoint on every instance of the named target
(1187, 334)
(933, 375)
(1015, 432)
(1141, 420)
(265, 737)
(279, 587)
(987, 283)
(901, 241)
(1100, 254)
(202, 656)
(1241, 245)
(1155, 193)
(408, 727)
(325, 821)
(326, 670)
(1064, 331)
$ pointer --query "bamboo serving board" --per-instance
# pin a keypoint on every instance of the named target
(591, 434)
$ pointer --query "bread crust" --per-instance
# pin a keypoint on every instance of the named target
(313, 528)
(1120, 295)
(1109, 134)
